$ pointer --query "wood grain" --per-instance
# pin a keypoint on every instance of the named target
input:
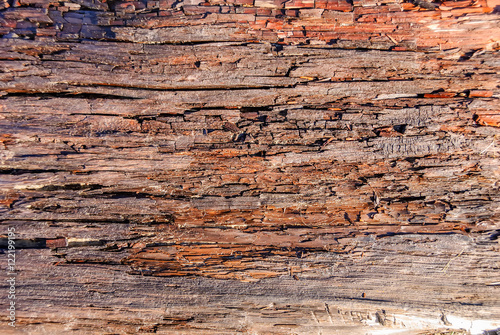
(250, 167)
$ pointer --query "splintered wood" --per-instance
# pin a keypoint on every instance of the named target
(250, 167)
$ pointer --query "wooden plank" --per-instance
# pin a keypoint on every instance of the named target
(240, 167)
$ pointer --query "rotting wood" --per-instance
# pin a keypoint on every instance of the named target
(250, 167)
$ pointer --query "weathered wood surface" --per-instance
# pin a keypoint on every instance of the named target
(250, 167)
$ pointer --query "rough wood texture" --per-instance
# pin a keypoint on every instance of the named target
(250, 167)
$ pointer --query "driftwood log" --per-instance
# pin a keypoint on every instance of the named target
(249, 167)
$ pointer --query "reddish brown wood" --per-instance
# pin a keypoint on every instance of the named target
(250, 167)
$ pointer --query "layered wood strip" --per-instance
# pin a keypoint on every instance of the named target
(387, 25)
(376, 284)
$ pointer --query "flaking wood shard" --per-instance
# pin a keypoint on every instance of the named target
(250, 166)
